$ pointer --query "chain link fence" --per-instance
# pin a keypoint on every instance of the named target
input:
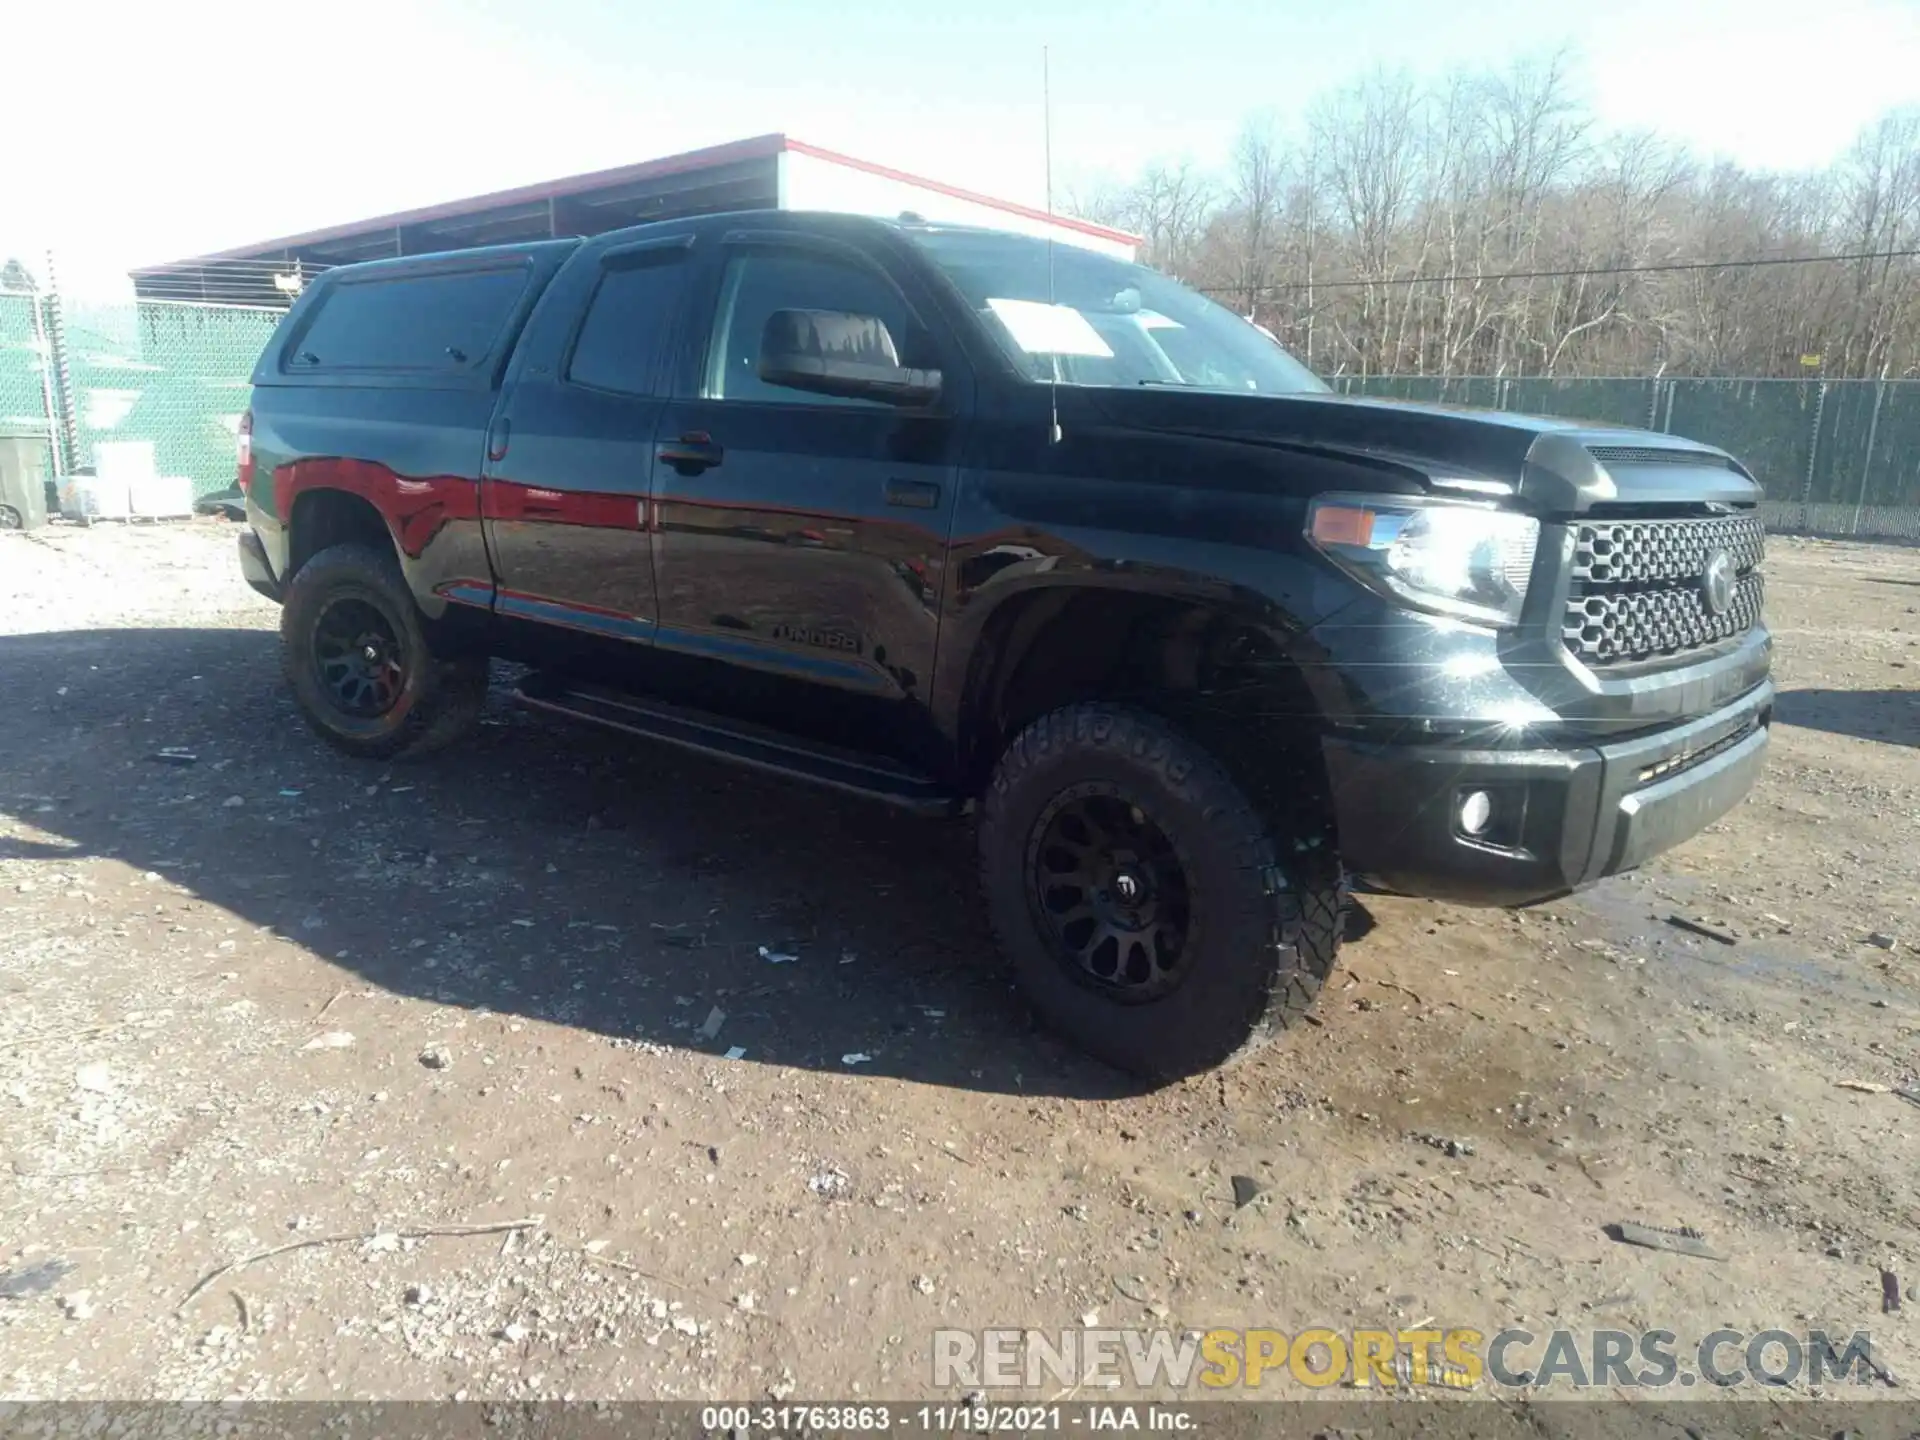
(1834, 457)
(176, 376)
(23, 400)
(173, 375)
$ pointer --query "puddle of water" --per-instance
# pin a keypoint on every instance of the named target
(1632, 917)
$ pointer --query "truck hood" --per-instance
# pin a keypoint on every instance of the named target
(1553, 466)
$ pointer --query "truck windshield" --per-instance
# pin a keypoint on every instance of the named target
(1099, 321)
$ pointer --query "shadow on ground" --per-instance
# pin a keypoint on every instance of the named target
(1889, 715)
(538, 869)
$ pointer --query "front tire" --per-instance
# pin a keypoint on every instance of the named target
(355, 650)
(1141, 898)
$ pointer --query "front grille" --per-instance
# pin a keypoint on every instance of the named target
(1639, 589)
(1656, 455)
(1629, 625)
(1631, 552)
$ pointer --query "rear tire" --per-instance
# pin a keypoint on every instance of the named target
(355, 650)
(1258, 935)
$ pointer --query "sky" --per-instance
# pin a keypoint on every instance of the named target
(163, 131)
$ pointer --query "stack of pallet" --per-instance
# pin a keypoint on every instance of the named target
(125, 485)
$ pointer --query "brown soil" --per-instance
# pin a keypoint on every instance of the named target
(220, 979)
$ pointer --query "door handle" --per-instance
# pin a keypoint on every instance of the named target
(914, 494)
(691, 453)
(497, 438)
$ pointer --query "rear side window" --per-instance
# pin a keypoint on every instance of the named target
(443, 320)
(628, 325)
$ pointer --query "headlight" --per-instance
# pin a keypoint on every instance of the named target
(1467, 561)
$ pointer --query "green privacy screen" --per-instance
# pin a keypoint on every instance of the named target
(172, 375)
(22, 404)
(175, 375)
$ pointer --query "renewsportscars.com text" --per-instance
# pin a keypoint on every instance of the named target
(1458, 1358)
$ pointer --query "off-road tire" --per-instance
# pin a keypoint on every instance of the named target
(441, 697)
(1265, 924)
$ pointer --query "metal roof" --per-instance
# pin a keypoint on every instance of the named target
(741, 175)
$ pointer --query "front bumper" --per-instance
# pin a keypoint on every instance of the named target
(255, 567)
(1562, 818)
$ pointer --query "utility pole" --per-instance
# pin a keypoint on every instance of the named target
(66, 435)
(1310, 307)
(49, 387)
(1873, 434)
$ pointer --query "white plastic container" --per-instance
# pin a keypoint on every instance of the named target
(107, 494)
(87, 498)
(124, 463)
(161, 497)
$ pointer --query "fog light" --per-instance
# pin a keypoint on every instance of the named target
(1475, 811)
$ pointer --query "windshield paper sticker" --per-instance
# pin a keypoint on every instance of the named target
(1042, 329)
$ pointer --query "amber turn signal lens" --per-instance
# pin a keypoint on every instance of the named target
(1343, 525)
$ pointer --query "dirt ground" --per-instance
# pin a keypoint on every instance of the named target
(273, 996)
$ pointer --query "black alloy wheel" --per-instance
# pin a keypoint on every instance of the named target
(1152, 913)
(1109, 890)
(360, 657)
(367, 672)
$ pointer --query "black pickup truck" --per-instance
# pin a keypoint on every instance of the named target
(970, 522)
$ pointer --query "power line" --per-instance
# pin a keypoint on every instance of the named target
(1664, 267)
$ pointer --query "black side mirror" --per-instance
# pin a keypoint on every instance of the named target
(834, 352)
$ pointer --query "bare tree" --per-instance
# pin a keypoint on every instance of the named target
(1881, 184)
(1478, 225)
(1367, 134)
(1256, 187)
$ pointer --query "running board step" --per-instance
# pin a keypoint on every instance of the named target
(742, 743)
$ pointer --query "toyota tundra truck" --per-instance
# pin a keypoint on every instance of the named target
(979, 524)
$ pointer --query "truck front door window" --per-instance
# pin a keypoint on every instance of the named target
(760, 282)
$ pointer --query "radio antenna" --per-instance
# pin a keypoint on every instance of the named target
(1046, 134)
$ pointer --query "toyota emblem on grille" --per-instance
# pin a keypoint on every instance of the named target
(1716, 582)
